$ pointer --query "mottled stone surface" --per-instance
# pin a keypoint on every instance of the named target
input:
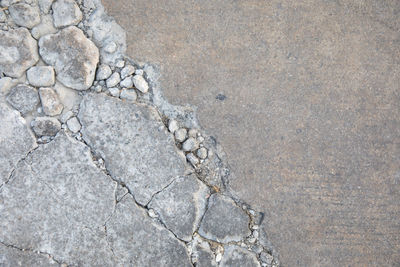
(65, 13)
(18, 52)
(50, 101)
(15, 140)
(224, 221)
(57, 202)
(41, 76)
(235, 256)
(133, 141)
(73, 56)
(138, 241)
(45, 126)
(23, 98)
(202, 254)
(11, 257)
(181, 205)
(25, 15)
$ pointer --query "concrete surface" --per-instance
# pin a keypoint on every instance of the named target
(304, 98)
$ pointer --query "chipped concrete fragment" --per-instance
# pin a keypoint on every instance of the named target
(133, 142)
(181, 205)
(15, 140)
(45, 126)
(66, 13)
(224, 221)
(237, 256)
(18, 52)
(41, 76)
(23, 98)
(50, 102)
(25, 15)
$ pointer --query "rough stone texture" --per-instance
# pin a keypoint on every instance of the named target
(224, 221)
(18, 52)
(128, 70)
(103, 72)
(25, 15)
(140, 83)
(73, 56)
(45, 27)
(310, 119)
(11, 257)
(181, 205)
(113, 80)
(45, 5)
(126, 83)
(133, 142)
(23, 98)
(45, 126)
(128, 94)
(15, 140)
(148, 243)
(235, 256)
(73, 125)
(66, 13)
(203, 256)
(57, 203)
(41, 76)
(50, 102)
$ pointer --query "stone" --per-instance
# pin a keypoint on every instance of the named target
(127, 82)
(138, 239)
(202, 153)
(25, 15)
(114, 91)
(202, 254)
(110, 47)
(192, 159)
(128, 94)
(120, 63)
(266, 257)
(45, 5)
(10, 257)
(103, 72)
(45, 27)
(18, 52)
(50, 101)
(173, 126)
(113, 80)
(15, 141)
(237, 256)
(139, 72)
(73, 56)
(66, 116)
(45, 126)
(180, 135)
(73, 125)
(133, 142)
(190, 144)
(66, 13)
(23, 98)
(57, 202)
(181, 205)
(140, 83)
(41, 76)
(128, 70)
(224, 221)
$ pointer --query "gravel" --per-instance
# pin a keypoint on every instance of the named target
(127, 82)
(103, 72)
(190, 144)
(128, 94)
(127, 71)
(173, 126)
(113, 80)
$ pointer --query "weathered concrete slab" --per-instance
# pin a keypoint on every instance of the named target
(134, 143)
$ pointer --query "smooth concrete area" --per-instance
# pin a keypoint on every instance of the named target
(304, 96)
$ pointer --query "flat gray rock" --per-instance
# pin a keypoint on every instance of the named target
(40, 76)
(235, 256)
(134, 143)
(25, 15)
(73, 56)
(57, 202)
(224, 221)
(15, 140)
(45, 126)
(23, 98)
(181, 205)
(138, 241)
(65, 13)
(18, 52)
(11, 257)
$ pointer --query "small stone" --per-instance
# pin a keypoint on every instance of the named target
(192, 159)
(190, 144)
(25, 15)
(98, 88)
(200, 139)
(127, 71)
(73, 125)
(266, 257)
(18, 52)
(41, 76)
(193, 133)
(73, 56)
(66, 116)
(152, 214)
(251, 240)
(139, 72)
(45, 126)
(255, 227)
(173, 126)
(110, 47)
(114, 91)
(218, 258)
(46, 26)
(127, 82)
(120, 63)
(255, 234)
(23, 98)
(113, 80)
(180, 135)
(140, 83)
(103, 72)
(45, 5)
(65, 13)
(128, 94)
(202, 153)
(50, 102)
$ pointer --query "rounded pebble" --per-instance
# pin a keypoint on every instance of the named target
(180, 135)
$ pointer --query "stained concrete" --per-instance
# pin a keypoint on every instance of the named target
(304, 97)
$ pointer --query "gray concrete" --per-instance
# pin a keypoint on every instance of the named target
(304, 98)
